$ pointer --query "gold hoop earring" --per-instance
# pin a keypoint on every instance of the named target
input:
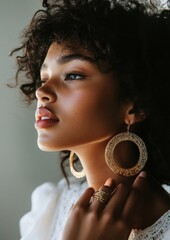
(143, 155)
(77, 174)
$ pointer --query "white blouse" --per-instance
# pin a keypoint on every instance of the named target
(50, 208)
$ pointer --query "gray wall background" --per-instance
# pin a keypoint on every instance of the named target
(22, 165)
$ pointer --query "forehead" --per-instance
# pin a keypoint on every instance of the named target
(65, 48)
(72, 50)
(63, 53)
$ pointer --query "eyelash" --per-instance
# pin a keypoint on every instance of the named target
(68, 76)
(41, 82)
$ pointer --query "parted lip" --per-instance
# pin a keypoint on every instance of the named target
(44, 113)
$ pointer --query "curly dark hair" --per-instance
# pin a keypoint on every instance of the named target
(131, 37)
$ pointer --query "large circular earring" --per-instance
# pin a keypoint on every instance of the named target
(143, 155)
(77, 174)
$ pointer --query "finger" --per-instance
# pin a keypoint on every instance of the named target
(135, 197)
(85, 198)
(106, 190)
(140, 181)
(117, 201)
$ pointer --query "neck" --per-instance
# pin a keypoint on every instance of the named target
(92, 158)
(153, 206)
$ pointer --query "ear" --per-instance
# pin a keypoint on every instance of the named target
(131, 117)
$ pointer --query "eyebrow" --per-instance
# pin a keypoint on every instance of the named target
(71, 57)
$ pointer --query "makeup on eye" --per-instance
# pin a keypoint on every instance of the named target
(67, 76)
(42, 82)
(74, 76)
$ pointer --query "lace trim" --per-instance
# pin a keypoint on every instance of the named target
(155, 231)
(67, 198)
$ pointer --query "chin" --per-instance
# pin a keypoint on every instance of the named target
(46, 148)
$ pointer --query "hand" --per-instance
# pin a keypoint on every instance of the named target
(94, 220)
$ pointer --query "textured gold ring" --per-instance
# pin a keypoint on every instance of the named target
(101, 196)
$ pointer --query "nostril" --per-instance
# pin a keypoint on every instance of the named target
(42, 95)
(46, 94)
(45, 99)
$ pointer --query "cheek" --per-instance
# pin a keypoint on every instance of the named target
(85, 116)
(92, 112)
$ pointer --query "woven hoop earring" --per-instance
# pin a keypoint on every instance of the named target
(143, 155)
(77, 174)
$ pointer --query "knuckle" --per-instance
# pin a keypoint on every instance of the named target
(107, 218)
(77, 211)
(122, 186)
(92, 216)
(122, 225)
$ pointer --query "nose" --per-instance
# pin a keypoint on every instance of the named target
(46, 94)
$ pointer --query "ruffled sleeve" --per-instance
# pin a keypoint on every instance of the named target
(36, 224)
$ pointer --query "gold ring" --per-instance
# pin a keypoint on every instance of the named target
(101, 196)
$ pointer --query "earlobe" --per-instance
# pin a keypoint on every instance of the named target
(131, 117)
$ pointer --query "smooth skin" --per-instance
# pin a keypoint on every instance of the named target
(84, 100)
(87, 104)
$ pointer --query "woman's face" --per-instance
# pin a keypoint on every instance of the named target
(77, 103)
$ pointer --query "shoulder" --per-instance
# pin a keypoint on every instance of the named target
(160, 230)
(46, 192)
(44, 200)
(166, 187)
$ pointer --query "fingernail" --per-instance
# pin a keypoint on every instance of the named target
(109, 182)
(143, 174)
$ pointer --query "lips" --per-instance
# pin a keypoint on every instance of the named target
(45, 118)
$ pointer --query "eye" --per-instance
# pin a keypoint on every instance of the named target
(74, 76)
(42, 82)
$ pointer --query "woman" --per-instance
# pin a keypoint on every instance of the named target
(100, 72)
